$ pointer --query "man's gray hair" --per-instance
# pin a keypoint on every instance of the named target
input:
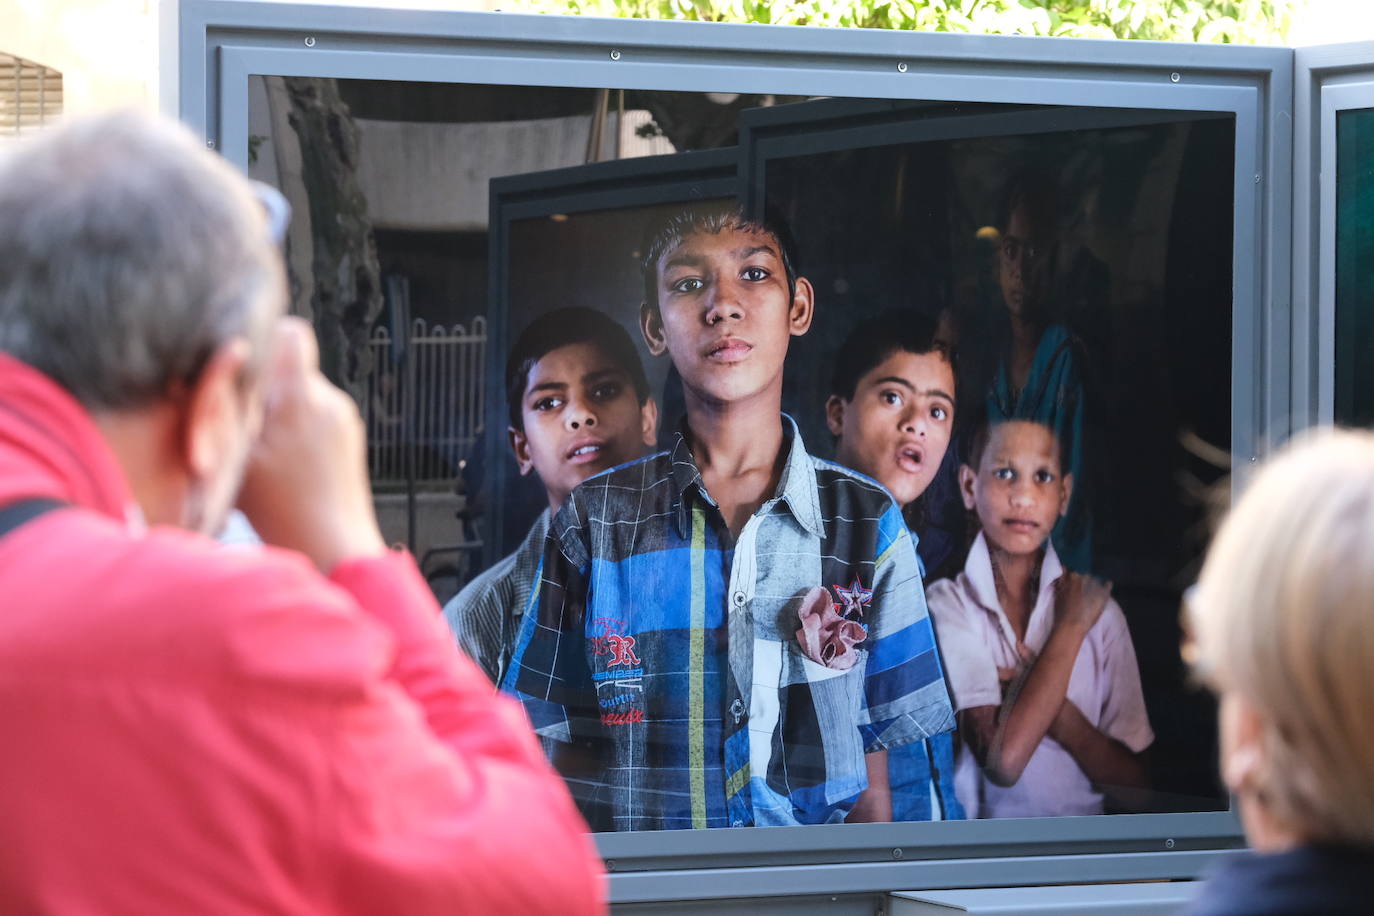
(128, 254)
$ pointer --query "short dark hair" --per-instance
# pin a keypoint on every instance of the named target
(980, 433)
(875, 339)
(561, 328)
(712, 219)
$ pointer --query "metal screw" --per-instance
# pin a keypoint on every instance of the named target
(209, 144)
(615, 55)
(1257, 179)
(897, 853)
(1253, 459)
(901, 68)
(610, 865)
(1168, 844)
(1175, 77)
(310, 41)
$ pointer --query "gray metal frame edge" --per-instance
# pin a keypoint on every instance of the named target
(1326, 79)
(222, 41)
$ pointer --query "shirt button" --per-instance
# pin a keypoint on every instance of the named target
(738, 598)
(737, 709)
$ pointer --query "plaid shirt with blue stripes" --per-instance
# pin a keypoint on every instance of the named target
(663, 650)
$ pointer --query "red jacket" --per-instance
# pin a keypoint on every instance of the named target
(190, 728)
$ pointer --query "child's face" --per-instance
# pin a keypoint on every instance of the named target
(581, 417)
(724, 314)
(1017, 490)
(897, 426)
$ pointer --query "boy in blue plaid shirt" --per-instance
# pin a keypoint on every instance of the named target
(891, 409)
(731, 632)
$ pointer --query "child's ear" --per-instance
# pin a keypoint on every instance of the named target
(520, 447)
(834, 414)
(966, 478)
(1068, 494)
(648, 422)
(803, 308)
(651, 326)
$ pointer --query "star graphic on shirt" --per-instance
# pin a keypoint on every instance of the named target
(854, 599)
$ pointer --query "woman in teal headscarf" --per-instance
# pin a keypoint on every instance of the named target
(1038, 376)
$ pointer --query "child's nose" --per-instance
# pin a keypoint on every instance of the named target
(580, 416)
(723, 302)
(914, 422)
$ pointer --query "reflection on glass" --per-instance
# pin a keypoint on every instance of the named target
(1354, 368)
(1004, 339)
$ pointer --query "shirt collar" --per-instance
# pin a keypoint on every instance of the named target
(978, 569)
(796, 487)
(51, 446)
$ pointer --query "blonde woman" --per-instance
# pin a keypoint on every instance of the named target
(1283, 627)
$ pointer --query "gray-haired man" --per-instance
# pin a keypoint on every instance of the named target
(189, 728)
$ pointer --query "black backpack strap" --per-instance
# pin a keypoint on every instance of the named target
(15, 514)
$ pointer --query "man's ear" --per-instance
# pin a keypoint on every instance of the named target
(648, 422)
(966, 478)
(215, 409)
(803, 307)
(1068, 494)
(520, 448)
(651, 326)
(834, 414)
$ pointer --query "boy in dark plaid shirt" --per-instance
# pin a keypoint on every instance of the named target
(731, 632)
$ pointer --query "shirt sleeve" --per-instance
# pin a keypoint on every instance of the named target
(969, 665)
(549, 670)
(904, 696)
(475, 615)
(1123, 708)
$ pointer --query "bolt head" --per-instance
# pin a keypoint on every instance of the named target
(901, 68)
(615, 55)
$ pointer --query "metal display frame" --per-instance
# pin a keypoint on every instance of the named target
(1328, 80)
(222, 42)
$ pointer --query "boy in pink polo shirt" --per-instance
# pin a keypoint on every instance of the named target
(1039, 659)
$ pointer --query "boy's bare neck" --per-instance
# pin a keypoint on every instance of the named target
(1014, 576)
(739, 450)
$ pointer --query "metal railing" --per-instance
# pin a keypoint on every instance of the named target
(424, 401)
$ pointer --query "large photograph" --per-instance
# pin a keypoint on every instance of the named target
(792, 461)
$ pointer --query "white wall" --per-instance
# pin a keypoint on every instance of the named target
(106, 50)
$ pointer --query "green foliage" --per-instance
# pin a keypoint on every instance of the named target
(1242, 21)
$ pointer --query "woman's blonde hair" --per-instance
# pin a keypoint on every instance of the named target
(1283, 616)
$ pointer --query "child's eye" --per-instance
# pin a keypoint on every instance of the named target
(891, 398)
(549, 403)
(1004, 474)
(687, 285)
(606, 391)
(1044, 477)
(939, 413)
(754, 273)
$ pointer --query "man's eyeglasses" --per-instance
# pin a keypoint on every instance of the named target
(277, 207)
